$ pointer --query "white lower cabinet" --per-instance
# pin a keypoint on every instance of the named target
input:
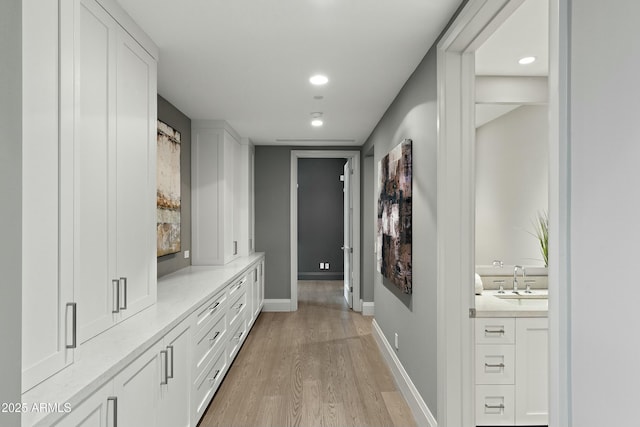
(174, 408)
(511, 371)
(98, 410)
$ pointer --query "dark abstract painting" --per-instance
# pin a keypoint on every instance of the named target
(394, 216)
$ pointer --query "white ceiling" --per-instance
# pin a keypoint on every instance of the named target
(524, 33)
(249, 61)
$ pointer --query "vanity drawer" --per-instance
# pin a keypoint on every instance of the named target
(209, 311)
(495, 405)
(499, 330)
(239, 286)
(237, 338)
(495, 364)
(209, 342)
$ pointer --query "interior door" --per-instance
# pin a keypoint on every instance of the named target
(348, 235)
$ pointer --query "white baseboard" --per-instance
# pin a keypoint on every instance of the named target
(419, 408)
(367, 308)
(277, 305)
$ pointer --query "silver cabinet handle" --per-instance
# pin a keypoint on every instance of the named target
(214, 336)
(498, 365)
(212, 379)
(170, 349)
(124, 281)
(500, 406)
(214, 306)
(115, 409)
(497, 331)
(235, 247)
(116, 284)
(166, 367)
(239, 336)
(74, 325)
(238, 307)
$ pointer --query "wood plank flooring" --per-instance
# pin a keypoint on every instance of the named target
(319, 366)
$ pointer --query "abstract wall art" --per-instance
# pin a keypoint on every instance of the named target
(168, 194)
(393, 240)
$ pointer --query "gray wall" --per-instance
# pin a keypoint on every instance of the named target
(368, 227)
(272, 205)
(174, 118)
(413, 115)
(604, 210)
(320, 218)
(11, 212)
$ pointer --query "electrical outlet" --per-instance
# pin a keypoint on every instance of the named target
(322, 266)
(396, 341)
(186, 254)
(326, 265)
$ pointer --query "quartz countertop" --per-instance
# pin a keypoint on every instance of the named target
(103, 356)
(514, 305)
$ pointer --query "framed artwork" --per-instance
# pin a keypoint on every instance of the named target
(168, 194)
(393, 240)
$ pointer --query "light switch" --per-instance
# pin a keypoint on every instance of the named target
(186, 254)
(326, 265)
(322, 266)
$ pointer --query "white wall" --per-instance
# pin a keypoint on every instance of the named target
(368, 225)
(11, 211)
(605, 212)
(512, 168)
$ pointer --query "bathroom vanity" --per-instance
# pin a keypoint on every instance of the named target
(511, 358)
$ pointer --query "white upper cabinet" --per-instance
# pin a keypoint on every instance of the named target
(220, 168)
(89, 153)
(115, 152)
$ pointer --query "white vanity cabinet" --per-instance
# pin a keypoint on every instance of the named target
(511, 371)
(114, 158)
(220, 171)
(98, 410)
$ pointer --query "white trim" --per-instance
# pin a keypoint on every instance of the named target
(368, 308)
(277, 305)
(325, 154)
(419, 408)
(456, 207)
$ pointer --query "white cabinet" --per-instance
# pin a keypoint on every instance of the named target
(511, 371)
(98, 410)
(174, 409)
(220, 163)
(47, 204)
(532, 371)
(256, 291)
(114, 218)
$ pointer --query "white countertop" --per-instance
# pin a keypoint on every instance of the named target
(100, 358)
(517, 305)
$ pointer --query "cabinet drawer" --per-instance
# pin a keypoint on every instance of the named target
(209, 342)
(239, 286)
(495, 331)
(208, 311)
(495, 405)
(207, 383)
(237, 308)
(495, 364)
(237, 338)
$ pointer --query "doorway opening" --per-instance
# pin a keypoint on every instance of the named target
(325, 221)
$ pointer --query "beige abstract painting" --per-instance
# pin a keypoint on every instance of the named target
(168, 194)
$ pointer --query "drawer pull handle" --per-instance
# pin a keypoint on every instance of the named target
(498, 331)
(238, 307)
(500, 406)
(498, 365)
(212, 379)
(214, 336)
(214, 306)
(239, 336)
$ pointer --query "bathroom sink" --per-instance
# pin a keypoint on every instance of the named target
(535, 295)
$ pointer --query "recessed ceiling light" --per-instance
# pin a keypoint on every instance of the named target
(318, 80)
(316, 122)
(318, 97)
(527, 60)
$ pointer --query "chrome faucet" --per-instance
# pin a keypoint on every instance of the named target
(515, 277)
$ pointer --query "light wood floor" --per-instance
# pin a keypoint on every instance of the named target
(319, 366)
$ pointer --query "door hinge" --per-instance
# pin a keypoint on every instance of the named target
(472, 313)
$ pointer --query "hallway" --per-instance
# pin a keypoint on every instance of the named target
(319, 366)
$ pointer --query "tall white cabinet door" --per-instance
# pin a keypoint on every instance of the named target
(135, 174)
(94, 224)
(175, 407)
(47, 286)
(532, 371)
(138, 389)
(228, 202)
(98, 410)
